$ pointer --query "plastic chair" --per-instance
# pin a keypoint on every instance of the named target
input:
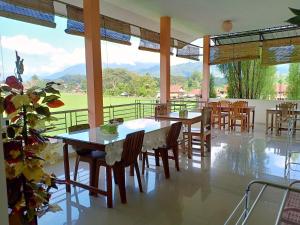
(162, 151)
(132, 147)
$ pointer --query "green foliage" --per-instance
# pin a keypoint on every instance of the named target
(212, 89)
(25, 146)
(249, 80)
(293, 81)
(118, 81)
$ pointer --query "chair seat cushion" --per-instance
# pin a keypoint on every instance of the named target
(94, 154)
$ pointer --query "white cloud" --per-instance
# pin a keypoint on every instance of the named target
(45, 58)
(42, 56)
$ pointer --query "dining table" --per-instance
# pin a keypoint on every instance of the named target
(188, 120)
(271, 113)
(99, 140)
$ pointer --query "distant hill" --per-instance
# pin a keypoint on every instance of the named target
(185, 69)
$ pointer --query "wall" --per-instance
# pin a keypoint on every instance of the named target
(260, 106)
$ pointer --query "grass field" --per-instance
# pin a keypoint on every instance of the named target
(79, 101)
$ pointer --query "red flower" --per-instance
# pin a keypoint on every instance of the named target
(9, 107)
(13, 82)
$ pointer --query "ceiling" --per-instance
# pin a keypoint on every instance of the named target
(192, 19)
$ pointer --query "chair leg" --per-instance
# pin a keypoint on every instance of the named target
(208, 141)
(131, 170)
(165, 160)
(137, 170)
(120, 172)
(109, 187)
(76, 167)
(144, 162)
(176, 157)
(147, 160)
(156, 155)
(202, 146)
(97, 173)
(92, 176)
(115, 177)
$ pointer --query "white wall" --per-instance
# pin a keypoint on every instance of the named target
(260, 106)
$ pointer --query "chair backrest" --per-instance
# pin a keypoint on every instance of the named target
(206, 117)
(242, 103)
(161, 109)
(173, 134)
(78, 127)
(215, 108)
(117, 120)
(224, 103)
(286, 109)
(236, 108)
(132, 147)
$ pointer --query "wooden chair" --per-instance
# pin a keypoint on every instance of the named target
(116, 120)
(216, 115)
(161, 109)
(162, 151)
(202, 136)
(132, 147)
(236, 114)
(225, 111)
(285, 112)
(85, 155)
(242, 103)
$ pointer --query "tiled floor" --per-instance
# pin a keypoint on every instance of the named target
(204, 192)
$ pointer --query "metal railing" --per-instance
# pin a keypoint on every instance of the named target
(131, 111)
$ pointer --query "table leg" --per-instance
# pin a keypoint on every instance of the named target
(67, 168)
(248, 122)
(165, 160)
(189, 141)
(272, 123)
(253, 119)
(92, 178)
(267, 122)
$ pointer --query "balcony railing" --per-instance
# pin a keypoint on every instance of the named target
(132, 111)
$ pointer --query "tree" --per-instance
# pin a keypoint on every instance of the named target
(249, 79)
(212, 89)
(194, 81)
(293, 81)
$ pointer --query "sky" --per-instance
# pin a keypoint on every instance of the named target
(46, 50)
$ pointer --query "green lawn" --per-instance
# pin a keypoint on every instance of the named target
(79, 101)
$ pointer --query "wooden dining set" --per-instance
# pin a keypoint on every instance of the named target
(232, 114)
(160, 136)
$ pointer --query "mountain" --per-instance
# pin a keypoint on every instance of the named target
(185, 69)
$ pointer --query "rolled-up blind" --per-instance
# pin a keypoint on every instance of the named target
(281, 51)
(111, 30)
(236, 52)
(40, 12)
(188, 51)
(150, 41)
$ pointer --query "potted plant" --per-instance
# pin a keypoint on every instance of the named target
(28, 114)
